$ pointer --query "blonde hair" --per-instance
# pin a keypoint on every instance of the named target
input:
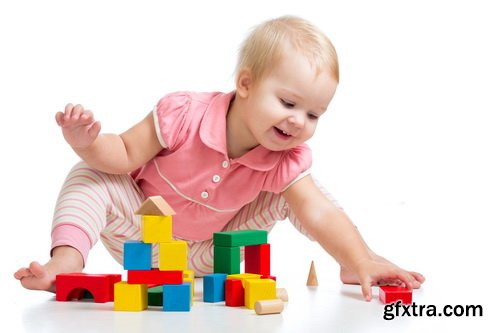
(263, 48)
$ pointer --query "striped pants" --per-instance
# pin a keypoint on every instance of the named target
(93, 205)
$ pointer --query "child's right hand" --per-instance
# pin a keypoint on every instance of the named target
(78, 126)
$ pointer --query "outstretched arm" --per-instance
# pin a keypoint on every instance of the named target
(333, 230)
(109, 153)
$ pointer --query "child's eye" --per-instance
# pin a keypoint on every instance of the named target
(312, 116)
(287, 104)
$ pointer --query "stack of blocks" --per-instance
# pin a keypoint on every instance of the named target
(227, 283)
(170, 285)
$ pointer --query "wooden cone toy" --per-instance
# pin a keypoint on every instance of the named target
(312, 280)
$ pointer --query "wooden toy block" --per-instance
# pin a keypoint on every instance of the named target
(392, 294)
(258, 289)
(156, 229)
(312, 279)
(269, 306)
(173, 256)
(155, 205)
(130, 297)
(191, 281)
(188, 276)
(213, 287)
(258, 259)
(282, 294)
(136, 255)
(227, 259)
(244, 276)
(155, 296)
(154, 276)
(234, 292)
(73, 285)
(240, 238)
(177, 297)
(187, 273)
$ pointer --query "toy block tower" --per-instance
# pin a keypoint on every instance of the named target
(240, 289)
(175, 293)
(227, 251)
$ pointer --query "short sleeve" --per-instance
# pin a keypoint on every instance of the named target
(171, 119)
(294, 165)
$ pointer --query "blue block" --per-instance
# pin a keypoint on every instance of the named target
(136, 255)
(177, 297)
(213, 287)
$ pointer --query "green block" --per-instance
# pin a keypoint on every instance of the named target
(227, 259)
(240, 238)
(155, 296)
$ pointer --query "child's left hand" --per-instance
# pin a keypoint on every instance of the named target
(372, 272)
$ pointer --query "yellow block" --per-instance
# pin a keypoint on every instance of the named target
(131, 297)
(188, 274)
(190, 280)
(257, 290)
(244, 276)
(156, 229)
(173, 256)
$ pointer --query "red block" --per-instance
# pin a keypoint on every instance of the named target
(392, 294)
(154, 276)
(73, 285)
(268, 277)
(234, 292)
(258, 259)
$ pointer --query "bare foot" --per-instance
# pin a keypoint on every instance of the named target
(37, 277)
(349, 277)
(43, 277)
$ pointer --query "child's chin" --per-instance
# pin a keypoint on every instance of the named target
(276, 148)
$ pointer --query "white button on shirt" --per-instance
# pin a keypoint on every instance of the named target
(216, 178)
(204, 195)
(225, 164)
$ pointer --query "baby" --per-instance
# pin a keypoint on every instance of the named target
(223, 161)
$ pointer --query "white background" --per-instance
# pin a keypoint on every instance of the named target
(409, 145)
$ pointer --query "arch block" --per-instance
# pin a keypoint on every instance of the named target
(72, 285)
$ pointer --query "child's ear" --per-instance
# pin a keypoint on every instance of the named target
(243, 82)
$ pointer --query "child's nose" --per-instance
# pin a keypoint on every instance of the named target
(297, 120)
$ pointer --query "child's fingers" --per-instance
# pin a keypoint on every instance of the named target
(72, 111)
(366, 289)
(77, 112)
(68, 108)
(94, 129)
(87, 114)
(59, 118)
(407, 279)
(419, 277)
(74, 115)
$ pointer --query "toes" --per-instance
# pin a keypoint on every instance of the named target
(37, 270)
(22, 272)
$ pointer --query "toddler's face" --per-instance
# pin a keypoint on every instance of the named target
(287, 103)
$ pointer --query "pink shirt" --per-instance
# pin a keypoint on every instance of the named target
(194, 174)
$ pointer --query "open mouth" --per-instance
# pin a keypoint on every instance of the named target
(282, 133)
